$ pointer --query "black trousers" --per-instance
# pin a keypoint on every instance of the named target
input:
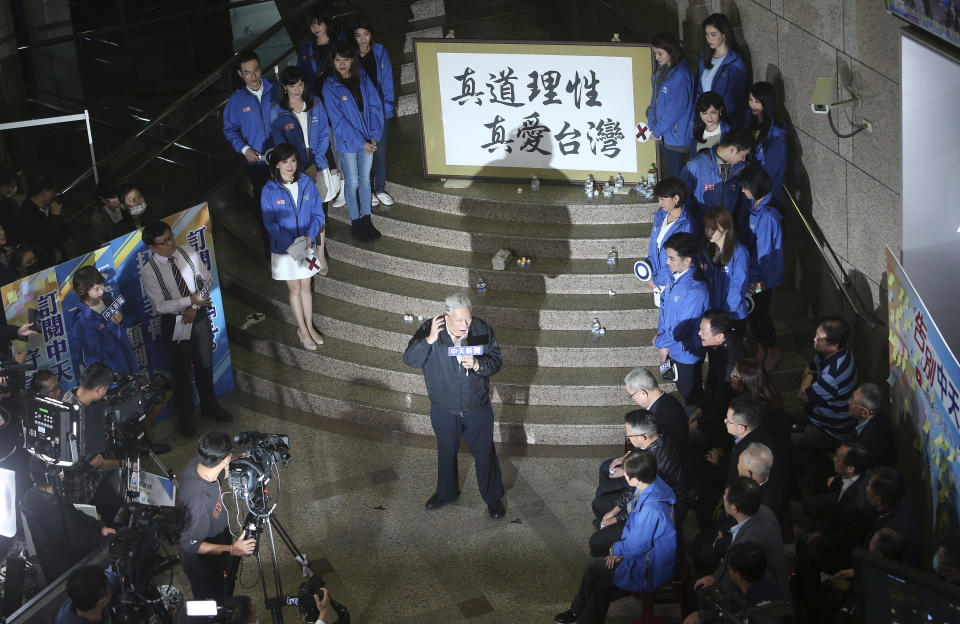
(760, 320)
(259, 176)
(197, 351)
(476, 429)
(690, 382)
(596, 593)
(209, 574)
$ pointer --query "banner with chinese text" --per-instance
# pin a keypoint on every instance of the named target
(513, 110)
(924, 377)
(50, 292)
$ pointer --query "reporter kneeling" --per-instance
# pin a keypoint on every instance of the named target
(645, 556)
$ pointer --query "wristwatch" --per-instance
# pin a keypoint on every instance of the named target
(195, 306)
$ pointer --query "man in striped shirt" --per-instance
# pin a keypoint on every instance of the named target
(826, 388)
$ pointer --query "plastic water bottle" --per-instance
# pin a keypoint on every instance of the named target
(595, 326)
(481, 286)
(618, 182)
(588, 185)
(534, 183)
(612, 256)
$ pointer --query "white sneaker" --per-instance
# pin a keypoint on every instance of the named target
(341, 200)
(384, 198)
(374, 202)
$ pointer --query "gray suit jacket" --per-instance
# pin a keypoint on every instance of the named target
(762, 528)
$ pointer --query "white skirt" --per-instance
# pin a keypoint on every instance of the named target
(284, 267)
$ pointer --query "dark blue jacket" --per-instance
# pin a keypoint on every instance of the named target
(657, 257)
(449, 386)
(695, 145)
(286, 220)
(730, 82)
(707, 189)
(246, 120)
(728, 283)
(648, 543)
(285, 128)
(103, 341)
(771, 153)
(351, 128)
(384, 81)
(669, 115)
(678, 328)
(764, 239)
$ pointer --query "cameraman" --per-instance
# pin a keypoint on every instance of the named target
(243, 611)
(206, 545)
(89, 589)
(747, 565)
(84, 482)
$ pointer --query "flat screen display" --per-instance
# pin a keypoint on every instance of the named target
(940, 17)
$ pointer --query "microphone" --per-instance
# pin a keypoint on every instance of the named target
(465, 350)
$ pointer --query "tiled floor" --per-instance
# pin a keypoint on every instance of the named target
(352, 499)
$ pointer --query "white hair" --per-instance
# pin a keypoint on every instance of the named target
(640, 379)
(758, 459)
(454, 301)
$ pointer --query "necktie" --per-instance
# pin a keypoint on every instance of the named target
(178, 278)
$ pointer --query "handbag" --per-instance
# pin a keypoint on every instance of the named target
(328, 185)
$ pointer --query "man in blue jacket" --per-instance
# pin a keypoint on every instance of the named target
(645, 556)
(711, 176)
(459, 391)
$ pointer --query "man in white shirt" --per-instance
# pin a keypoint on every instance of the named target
(173, 278)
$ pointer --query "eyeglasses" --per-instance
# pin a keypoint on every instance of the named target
(160, 243)
(635, 392)
(727, 421)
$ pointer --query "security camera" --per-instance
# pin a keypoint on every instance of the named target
(822, 100)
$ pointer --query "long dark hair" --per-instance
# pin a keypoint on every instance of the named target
(764, 93)
(288, 77)
(721, 23)
(719, 217)
(708, 99)
(670, 44)
(756, 383)
(346, 49)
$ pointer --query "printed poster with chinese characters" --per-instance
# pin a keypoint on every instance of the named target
(50, 293)
(512, 110)
(924, 382)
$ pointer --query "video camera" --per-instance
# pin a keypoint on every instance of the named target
(133, 396)
(15, 375)
(731, 611)
(58, 433)
(250, 472)
(308, 607)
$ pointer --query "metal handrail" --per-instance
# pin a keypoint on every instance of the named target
(836, 272)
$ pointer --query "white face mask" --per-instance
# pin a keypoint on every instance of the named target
(13, 191)
(139, 209)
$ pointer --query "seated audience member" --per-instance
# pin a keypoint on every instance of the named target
(724, 348)
(40, 223)
(45, 384)
(712, 178)
(90, 589)
(61, 533)
(681, 305)
(756, 523)
(946, 561)
(109, 220)
(610, 509)
(645, 556)
(101, 340)
(747, 564)
(885, 495)
(873, 427)
(642, 387)
(670, 218)
(726, 263)
(826, 388)
(24, 261)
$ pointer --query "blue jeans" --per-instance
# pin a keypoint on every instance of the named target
(380, 162)
(356, 182)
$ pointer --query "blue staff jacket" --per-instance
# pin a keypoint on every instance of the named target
(246, 120)
(285, 128)
(771, 153)
(351, 128)
(764, 239)
(657, 257)
(730, 82)
(284, 219)
(384, 81)
(728, 283)
(678, 328)
(648, 543)
(707, 190)
(670, 106)
(695, 145)
(102, 340)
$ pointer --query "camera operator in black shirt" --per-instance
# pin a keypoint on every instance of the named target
(206, 546)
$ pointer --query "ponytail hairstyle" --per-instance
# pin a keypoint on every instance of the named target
(764, 93)
(288, 77)
(719, 218)
(721, 23)
(708, 99)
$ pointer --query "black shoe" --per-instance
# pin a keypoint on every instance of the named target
(358, 231)
(435, 502)
(373, 232)
(218, 414)
(496, 509)
(566, 617)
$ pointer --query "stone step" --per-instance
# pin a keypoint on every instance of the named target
(424, 9)
(553, 240)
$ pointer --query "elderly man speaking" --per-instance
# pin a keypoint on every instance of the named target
(459, 388)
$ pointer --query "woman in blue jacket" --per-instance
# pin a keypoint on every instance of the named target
(681, 305)
(646, 555)
(299, 119)
(293, 209)
(669, 219)
(764, 240)
(101, 339)
(315, 53)
(722, 69)
(375, 63)
(726, 265)
(356, 114)
(770, 150)
(671, 101)
(709, 122)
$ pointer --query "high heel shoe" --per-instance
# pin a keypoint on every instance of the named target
(317, 337)
(307, 342)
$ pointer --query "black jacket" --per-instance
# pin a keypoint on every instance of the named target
(672, 420)
(877, 437)
(669, 468)
(62, 534)
(449, 385)
(48, 233)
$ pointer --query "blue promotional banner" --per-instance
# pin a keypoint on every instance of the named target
(924, 377)
(49, 296)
